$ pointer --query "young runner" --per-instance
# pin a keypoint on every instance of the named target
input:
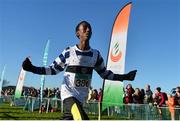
(78, 62)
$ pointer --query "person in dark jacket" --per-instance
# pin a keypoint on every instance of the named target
(148, 95)
(137, 96)
(177, 101)
(129, 91)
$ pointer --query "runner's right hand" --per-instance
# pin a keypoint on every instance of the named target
(27, 65)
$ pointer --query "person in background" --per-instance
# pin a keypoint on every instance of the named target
(160, 100)
(148, 95)
(95, 95)
(177, 102)
(142, 95)
(137, 96)
(161, 96)
(171, 104)
(90, 94)
(100, 95)
(129, 91)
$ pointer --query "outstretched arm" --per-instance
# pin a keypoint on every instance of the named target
(27, 65)
(53, 69)
(129, 76)
(108, 74)
(57, 66)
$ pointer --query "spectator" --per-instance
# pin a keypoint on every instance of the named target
(128, 94)
(90, 94)
(160, 98)
(2, 92)
(45, 92)
(177, 96)
(171, 104)
(142, 95)
(137, 97)
(38, 93)
(148, 95)
(58, 93)
(100, 95)
(177, 101)
(95, 95)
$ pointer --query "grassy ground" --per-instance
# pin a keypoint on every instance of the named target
(8, 112)
(17, 113)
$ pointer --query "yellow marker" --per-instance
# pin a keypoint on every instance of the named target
(75, 112)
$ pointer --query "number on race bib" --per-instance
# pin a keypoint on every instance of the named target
(82, 83)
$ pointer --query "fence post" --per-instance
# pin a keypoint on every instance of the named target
(99, 110)
(61, 106)
(32, 104)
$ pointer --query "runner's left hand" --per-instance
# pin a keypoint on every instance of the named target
(131, 75)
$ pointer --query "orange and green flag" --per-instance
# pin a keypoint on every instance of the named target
(113, 90)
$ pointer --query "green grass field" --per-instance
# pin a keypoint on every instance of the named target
(8, 112)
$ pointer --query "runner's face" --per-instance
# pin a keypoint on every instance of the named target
(84, 33)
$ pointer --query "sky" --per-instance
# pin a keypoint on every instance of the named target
(153, 42)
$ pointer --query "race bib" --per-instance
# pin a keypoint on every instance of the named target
(82, 80)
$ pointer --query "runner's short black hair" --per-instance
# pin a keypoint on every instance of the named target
(83, 23)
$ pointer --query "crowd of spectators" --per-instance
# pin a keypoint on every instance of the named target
(131, 95)
(47, 92)
(94, 95)
(141, 96)
(8, 91)
(158, 98)
(146, 96)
